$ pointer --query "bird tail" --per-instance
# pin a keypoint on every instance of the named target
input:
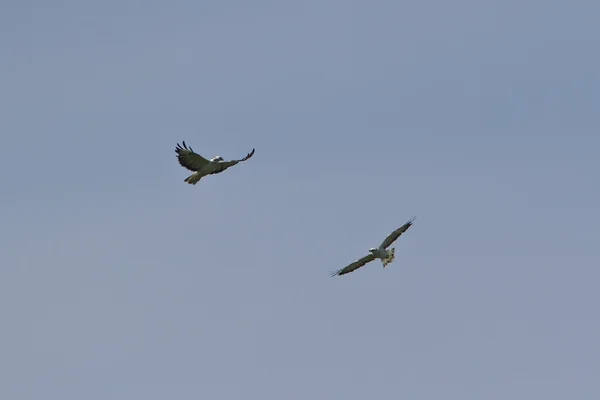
(390, 257)
(193, 179)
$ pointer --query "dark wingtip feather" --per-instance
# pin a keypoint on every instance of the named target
(183, 146)
(180, 147)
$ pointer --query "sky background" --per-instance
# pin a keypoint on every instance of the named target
(120, 281)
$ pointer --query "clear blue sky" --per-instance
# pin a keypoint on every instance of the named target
(120, 281)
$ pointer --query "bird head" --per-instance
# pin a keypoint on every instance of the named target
(372, 249)
(216, 159)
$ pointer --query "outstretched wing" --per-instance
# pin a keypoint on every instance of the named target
(189, 159)
(355, 265)
(223, 165)
(396, 234)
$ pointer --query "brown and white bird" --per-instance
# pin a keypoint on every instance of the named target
(386, 256)
(200, 165)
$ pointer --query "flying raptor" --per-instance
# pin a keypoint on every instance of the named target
(200, 165)
(386, 256)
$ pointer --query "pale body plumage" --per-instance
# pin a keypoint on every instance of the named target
(201, 166)
(383, 254)
(386, 256)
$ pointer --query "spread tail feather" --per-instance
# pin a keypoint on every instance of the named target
(193, 179)
(389, 258)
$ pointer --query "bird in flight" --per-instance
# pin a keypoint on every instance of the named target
(200, 165)
(386, 256)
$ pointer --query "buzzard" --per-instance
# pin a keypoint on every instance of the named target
(386, 256)
(200, 165)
